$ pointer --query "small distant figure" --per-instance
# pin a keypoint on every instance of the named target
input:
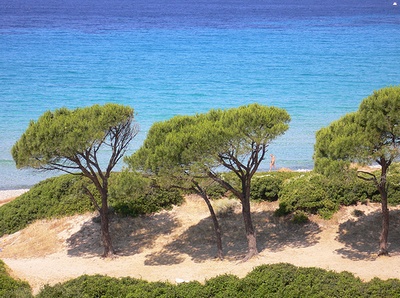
(272, 163)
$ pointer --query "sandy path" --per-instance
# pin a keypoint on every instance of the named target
(172, 254)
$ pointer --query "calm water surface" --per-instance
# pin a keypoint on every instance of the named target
(316, 60)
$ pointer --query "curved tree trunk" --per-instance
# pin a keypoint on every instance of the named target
(217, 228)
(199, 190)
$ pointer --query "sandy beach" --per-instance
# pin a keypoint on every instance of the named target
(178, 245)
(8, 195)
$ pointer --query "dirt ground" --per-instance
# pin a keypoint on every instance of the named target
(178, 245)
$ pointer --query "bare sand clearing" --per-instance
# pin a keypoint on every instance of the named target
(178, 244)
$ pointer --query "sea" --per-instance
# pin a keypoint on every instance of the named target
(316, 59)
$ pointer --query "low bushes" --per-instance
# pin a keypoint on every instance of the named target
(393, 179)
(65, 195)
(273, 280)
(318, 194)
(132, 194)
(10, 287)
(106, 287)
(276, 280)
(267, 186)
(315, 193)
(54, 197)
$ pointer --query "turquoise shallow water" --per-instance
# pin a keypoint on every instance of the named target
(185, 57)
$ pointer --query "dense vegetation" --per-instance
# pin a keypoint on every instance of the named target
(65, 195)
(315, 193)
(369, 135)
(276, 280)
(188, 149)
(10, 287)
(132, 195)
(360, 136)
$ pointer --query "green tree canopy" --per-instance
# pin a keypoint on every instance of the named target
(202, 145)
(71, 141)
(369, 135)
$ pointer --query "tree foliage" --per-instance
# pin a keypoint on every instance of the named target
(369, 135)
(167, 153)
(10, 287)
(199, 146)
(71, 141)
(241, 137)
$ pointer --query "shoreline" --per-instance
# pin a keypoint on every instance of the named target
(6, 195)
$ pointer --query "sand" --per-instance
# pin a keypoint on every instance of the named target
(9, 195)
(178, 245)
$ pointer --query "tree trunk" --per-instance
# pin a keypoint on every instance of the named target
(217, 228)
(383, 239)
(244, 197)
(250, 232)
(105, 232)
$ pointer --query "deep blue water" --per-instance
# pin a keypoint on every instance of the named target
(316, 60)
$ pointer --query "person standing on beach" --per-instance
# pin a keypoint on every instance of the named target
(272, 163)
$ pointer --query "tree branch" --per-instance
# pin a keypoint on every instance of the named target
(225, 184)
(92, 198)
(373, 178)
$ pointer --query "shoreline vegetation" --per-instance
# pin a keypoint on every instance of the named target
(170, 254)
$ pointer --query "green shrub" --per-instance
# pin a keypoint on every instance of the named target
(154, 200)
(268, 280)
(393, 179)
(132, 194)
(215, 191)
(317, 282)
(54, 197)
(273, 280)
(266, 186)
(192, 289)
(64, 195)
(318, 194)
(10, 287)
(225, 285)
(381, 288)
(286, 280)
(307, 193)
(87, 286)
(348, 189)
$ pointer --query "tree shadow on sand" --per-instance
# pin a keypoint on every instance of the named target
(273, 233)
(361, 236)
(130, 236)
